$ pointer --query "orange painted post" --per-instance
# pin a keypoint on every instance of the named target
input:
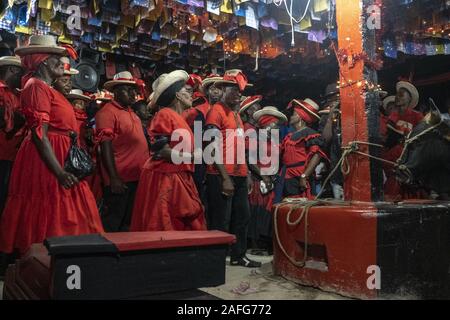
(359, 111)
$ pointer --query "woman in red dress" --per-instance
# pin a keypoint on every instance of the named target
(45, 200)
(167, 198)
(301, 150)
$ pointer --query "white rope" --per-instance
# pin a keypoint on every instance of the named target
(278, 3)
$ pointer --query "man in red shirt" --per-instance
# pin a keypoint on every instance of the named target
(11, 121)
(399, 125)
(124, 151)
(227, 192)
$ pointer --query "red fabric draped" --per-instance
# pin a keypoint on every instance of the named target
(265, 121)
(306, 116)
(31, 63)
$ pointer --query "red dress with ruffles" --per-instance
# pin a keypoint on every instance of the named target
(167, 198)
(297, 150)
(10, 102)
(38, 206)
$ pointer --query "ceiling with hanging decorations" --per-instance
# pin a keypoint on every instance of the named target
(212, 35)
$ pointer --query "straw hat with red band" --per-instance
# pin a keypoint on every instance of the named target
(236, 77)
(103, 95)
(78, 94)
(248, 101)
(387, 100)
(209, 80)
(68, 71)
(41, 44)
(408, 86)
(307, 109)
(268, 113)
(164, 81)
(194, 80)
(10, 61)
(124, 77)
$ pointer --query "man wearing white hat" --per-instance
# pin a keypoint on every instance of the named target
(124, 150)
(11, 121)
(400, 124)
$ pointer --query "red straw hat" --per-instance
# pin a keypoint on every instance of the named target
(248, 101)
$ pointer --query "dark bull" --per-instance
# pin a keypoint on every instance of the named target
(426, 159)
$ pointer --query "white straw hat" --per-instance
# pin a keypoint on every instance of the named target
(408, 86)
(41, 44)
(164, 81)
(124, 77)
(10, 61)
(269, 111)
(78, 94)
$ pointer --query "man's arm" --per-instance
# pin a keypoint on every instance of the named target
(107, 151)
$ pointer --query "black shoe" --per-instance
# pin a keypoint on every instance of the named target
(245, 262)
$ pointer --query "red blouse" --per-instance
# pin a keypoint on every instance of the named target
(53, 108)
(297, 150)
(224, 119)
(165, 122)
(123, 127)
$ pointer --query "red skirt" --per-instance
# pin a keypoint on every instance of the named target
(167, 201)
(38, 207)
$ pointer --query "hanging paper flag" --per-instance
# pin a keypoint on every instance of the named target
(390, 49)
(139, 3)
(45, 4)
(127, 21)
(42, 27)
(317, 36)
(87, 38)
(430, 49)
(447, 48)
(227, 6)
(401, 46)
(23, 29)
(64, 39)
(305, 23)
(314, 16)
(22, 18)
(212, 7)
(321, 5)
(269, 22)
(57, 28)
(182, 1)
(32, 8)
(210, 35)
(196, 3)
(419, 49)
(440, 49)
(239, 11)
(121, 31)
(262, 10)
(95, 22)
(409, 47)
(96, 6)
(250, 18)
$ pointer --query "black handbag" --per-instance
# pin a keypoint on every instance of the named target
(78, 161)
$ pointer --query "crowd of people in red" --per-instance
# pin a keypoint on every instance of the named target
(136, 185)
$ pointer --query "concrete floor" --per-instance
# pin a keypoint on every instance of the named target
(259, 284)
(263, 285)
